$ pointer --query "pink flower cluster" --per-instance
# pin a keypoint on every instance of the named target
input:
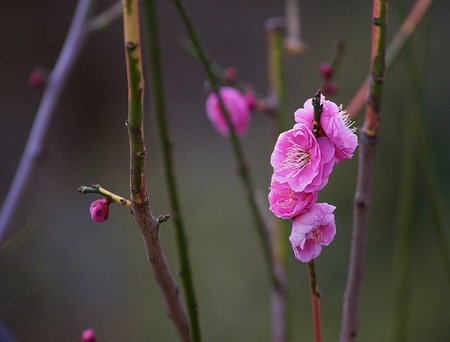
(302, 163)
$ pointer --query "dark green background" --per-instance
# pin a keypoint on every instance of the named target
(72, 274)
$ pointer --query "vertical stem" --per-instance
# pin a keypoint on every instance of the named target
(315, 302)
(140, 207)
(367, 149)
(164, 134)
(277, 94)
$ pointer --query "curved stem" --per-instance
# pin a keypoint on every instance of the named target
(238, 152)
(166, 145)
(140, 207)
(367, 149)
(32, 155)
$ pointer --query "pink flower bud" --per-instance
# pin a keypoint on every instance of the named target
(88, 335)
(231, 74)
(326, 70)
(100, 210)
(37, 79)
(330, 88)
(250, 97)
(237, 107)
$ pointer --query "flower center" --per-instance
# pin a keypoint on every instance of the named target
(315, 234)
(297, 158)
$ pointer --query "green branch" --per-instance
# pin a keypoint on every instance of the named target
(164, 134)
(238, 152)
(140, 207)
(366, 161)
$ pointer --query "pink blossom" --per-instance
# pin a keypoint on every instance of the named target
(88, 335)
(312, 230)
(286, 203)
(237, 107)
(100, 210)
(335, 124)
(37, 78)
(301, 160)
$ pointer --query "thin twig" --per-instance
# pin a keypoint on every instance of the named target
(367, 149)
(104, 20)
(396, 45)
(140, 207)
(32, 155)
(169, 169)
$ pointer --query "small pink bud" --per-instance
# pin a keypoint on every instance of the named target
(231, 74)
(326, 70)
(330, 89)
(37, 79)
(237, 107)
(88, 335)
(100, 210)
(250, 97)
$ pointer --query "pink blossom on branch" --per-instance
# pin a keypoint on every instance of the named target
(312, 230)
(238, 109)
(335, 125)
(301, 160)
(285, 203)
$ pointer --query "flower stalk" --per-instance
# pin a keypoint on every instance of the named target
(140, 207)
(367, 148)
(315, 301)
(97, 189)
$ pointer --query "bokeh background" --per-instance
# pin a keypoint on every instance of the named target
(72, 273)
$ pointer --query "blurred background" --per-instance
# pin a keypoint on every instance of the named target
(72, 273)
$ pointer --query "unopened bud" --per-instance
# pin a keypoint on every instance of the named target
(100, 210)
(231, 74)
(326, 70)
(37, 79)
(88, 335)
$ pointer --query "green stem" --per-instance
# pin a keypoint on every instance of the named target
(413, 20)
(140, 207)
(97, 189)
(280, 237)
(367, 150)
(318, 108)
(164, 134)
(260, 224)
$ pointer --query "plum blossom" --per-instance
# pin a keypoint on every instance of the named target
(237, 107)
(285, 203)
(311, 230)
(301, 160)
(335, 124)
(100, 210)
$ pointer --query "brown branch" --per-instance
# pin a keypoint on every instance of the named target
(140, 207)
(367, 148)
